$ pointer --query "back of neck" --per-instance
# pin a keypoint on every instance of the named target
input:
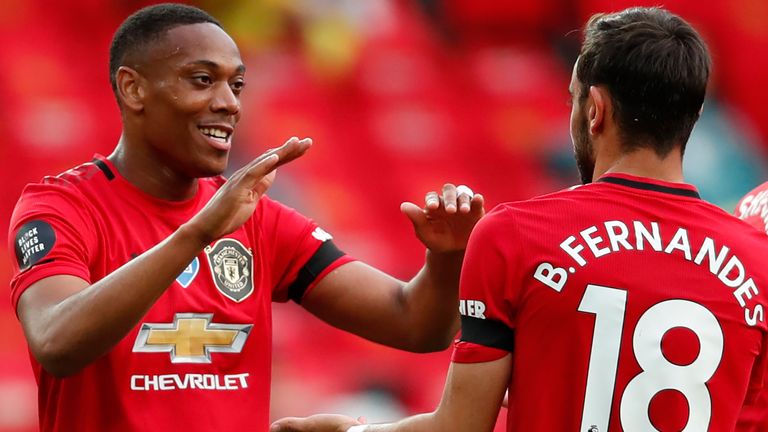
(644, 162)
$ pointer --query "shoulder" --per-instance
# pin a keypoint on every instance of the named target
(70, 182)
(77, 177)
(271, 208)
(66, 199)
(567, 196)
(275, 219)
(555, 203)
(513, 218)
(61, 192)
(52, 204)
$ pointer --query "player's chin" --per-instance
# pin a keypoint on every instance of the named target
(213, 165)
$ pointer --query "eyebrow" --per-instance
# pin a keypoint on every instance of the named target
(213, 65)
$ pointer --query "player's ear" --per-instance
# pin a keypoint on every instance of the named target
(597, 109)
(130, 88)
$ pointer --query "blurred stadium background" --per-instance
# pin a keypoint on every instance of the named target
(399, 97)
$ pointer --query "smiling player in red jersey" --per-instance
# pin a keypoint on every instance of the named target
(144, 280)
(625, 304)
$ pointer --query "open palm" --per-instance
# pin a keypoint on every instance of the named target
(446, 221)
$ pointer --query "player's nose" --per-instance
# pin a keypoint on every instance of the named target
(225, 100)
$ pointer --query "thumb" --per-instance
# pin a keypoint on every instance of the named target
(414, 213)
(265, 183)
(282, 425)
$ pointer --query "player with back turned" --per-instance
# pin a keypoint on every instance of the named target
(144, 280)
(627, 303)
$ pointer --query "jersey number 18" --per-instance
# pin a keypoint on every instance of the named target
(658, 373)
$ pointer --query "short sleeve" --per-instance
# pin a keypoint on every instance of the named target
(301, 253)
(486, 292)
(48, 236)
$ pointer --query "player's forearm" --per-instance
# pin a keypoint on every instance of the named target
(84, 326)
(419, 316)
(431, 302)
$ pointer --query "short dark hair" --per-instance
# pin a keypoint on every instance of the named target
(148, 25)
(656, 68)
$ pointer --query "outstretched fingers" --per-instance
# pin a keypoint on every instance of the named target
(452, 199)
(464, 196)
(253, 173)
(477, 204)
(293, 149)
(449, 198)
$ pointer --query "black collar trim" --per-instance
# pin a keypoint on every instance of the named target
(104, 168)
(651, 187)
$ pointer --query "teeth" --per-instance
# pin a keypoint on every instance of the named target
(215, 133)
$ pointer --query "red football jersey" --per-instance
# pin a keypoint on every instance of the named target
(753, 208)
(628, 304)
(200, 359)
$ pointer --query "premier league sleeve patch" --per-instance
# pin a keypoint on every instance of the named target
(188, 275)
(33, 242)
(232, 268)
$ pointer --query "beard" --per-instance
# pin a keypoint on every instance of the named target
(583, 152)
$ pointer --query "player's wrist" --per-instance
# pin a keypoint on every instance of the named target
(448, 264)
(446, 256)
(197, 235)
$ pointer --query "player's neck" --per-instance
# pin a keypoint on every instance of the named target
(644, 162)
(146, 171)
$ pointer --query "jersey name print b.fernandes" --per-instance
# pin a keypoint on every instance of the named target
(628, 304)
(205, 346)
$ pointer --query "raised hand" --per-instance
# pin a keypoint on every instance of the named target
(447, 219)
(315, 423)
(235, 202)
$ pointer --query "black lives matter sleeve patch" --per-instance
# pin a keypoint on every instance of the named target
(33, 242)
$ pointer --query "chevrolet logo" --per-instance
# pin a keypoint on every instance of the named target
(191, 338)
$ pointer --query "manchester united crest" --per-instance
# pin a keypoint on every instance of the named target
(232, 268)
